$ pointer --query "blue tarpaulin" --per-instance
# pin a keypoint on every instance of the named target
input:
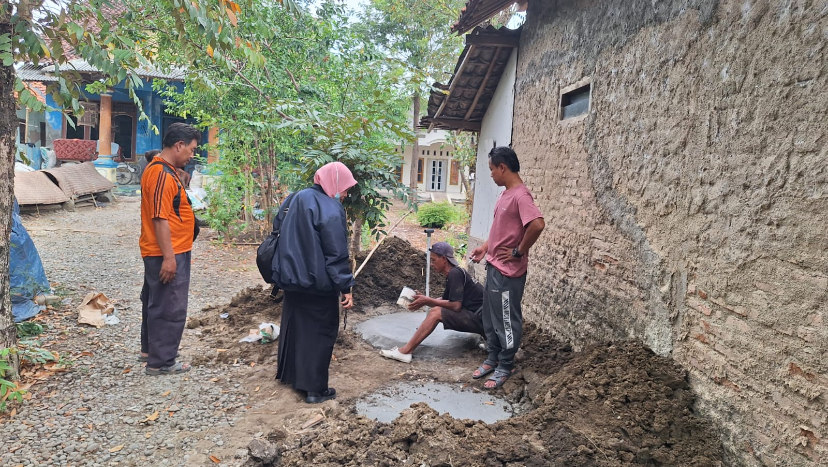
(28, 279)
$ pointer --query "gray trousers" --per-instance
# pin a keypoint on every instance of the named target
(163, 310)
(502, 316)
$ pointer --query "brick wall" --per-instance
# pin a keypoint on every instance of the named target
(688, 208)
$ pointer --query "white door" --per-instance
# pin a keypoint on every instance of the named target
(437, 175)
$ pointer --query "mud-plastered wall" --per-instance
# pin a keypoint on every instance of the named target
(689, 207)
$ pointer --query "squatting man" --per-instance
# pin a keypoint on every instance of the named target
(459, 308)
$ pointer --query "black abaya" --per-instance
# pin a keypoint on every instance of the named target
(310, 324)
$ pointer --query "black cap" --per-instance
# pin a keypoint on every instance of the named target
(444, 249)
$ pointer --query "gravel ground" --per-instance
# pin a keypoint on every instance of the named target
(104, 410)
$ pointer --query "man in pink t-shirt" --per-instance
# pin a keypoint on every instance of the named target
(517, 225)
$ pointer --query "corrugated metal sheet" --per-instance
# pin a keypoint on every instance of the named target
(45, 73)
(29, 72)
(82, 66)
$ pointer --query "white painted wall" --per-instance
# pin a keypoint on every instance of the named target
(496, 129)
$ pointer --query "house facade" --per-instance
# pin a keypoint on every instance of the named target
(676, 149)
(438, 173)
(115, 110)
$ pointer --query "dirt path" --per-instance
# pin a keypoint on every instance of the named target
(608, 406)
(96, 412)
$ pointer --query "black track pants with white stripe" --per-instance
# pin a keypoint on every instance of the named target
(502, 316)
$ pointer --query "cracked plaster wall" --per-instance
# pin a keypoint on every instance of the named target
(688, 208)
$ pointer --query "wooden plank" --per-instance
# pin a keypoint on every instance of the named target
(456, 124)
(493, 40)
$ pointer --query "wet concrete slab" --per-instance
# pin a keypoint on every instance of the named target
(394, 330)
(386, 404)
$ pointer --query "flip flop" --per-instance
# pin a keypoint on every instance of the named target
(174, 369)
(482, 371)
(142, 358)
(499, 377)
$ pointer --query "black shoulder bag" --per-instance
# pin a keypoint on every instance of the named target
(267, 250)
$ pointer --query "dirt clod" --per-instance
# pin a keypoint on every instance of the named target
(263, 451)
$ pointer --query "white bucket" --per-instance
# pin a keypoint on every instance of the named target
(406, 297)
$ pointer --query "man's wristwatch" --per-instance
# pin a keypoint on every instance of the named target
(516, 253)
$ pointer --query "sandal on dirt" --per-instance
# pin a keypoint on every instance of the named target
(175, 369)
(499, 377)
(482, 371)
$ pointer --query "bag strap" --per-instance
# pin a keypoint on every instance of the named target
(177, 199)
(283, 210)
(169, 171)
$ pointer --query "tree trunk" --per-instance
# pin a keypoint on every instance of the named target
(465, 182)
(356, 237)
(268, 172)
(8, 123)
(415, 148)
(355, 242)
(248, 195)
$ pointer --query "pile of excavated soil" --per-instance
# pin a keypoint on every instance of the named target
(219, 337)
(395, 264)
(609, 405)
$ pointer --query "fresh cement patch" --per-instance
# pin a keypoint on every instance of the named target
(386, 404)
(394, 330)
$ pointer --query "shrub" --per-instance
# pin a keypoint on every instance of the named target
(437, 215)
(459, 242)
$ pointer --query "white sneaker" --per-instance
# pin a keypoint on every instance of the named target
(395, 354)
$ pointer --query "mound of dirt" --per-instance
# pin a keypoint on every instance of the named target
(395, 264)
(610, 405)
(220, 336)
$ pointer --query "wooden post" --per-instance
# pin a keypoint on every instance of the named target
(212, 139)
(105, 126)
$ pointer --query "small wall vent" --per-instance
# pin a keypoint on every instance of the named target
(575, 103)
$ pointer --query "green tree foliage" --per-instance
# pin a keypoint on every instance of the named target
(321, 93)
(117, 38)
(418, 34)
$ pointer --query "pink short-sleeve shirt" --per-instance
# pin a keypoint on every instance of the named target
(514, 210)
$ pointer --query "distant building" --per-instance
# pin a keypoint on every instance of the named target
(439, 175)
